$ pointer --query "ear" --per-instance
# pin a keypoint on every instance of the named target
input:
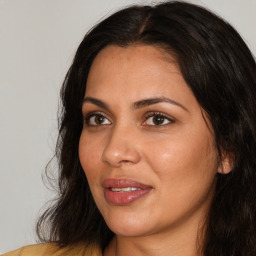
(226, 163)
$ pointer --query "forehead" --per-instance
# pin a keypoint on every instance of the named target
(137, 67)
(121, 76)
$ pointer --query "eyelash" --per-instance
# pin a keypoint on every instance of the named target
(159, 114)
(86, 118)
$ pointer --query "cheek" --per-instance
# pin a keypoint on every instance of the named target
(185, 170)
(188, 156)
(90, 156)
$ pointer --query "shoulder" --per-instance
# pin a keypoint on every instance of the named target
(52, 249)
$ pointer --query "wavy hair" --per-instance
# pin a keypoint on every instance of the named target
(220, 70)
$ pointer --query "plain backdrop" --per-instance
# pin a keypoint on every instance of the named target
(38, 39)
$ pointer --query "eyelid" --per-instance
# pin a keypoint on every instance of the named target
(156, 113)
(88, 115)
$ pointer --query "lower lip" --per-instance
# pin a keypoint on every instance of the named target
(124, 198)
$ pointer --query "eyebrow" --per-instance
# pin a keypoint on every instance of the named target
(138, 104)
(151, 101)
(96, 102)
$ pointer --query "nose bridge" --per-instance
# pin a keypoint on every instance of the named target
(121, 146)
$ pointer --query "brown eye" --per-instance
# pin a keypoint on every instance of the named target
(96, 119)
(158, 120)
(99, 119)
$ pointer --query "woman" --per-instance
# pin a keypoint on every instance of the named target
(157, 140)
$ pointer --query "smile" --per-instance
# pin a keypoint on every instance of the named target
(129, 189)
(122, 192)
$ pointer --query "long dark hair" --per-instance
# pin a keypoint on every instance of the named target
(221, 71)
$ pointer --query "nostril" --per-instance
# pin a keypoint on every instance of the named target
(120, 149)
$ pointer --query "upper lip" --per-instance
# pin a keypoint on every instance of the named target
(124, 183)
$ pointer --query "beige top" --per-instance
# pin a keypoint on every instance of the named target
(51, 249)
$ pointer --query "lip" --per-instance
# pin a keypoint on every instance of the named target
(123, 197)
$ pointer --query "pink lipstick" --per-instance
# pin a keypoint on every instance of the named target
(124, 191)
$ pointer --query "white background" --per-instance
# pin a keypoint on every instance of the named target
(38, 39)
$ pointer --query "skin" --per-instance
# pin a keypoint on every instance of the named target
(177, 156)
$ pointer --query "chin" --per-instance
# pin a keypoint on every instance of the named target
(129, 225)
(128, 230)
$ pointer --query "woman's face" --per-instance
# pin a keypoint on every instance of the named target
(147, 152)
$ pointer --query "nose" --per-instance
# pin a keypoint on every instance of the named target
(121, 148)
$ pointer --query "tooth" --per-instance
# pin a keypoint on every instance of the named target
(128, 189)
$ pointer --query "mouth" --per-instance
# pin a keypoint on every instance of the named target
(124, 191)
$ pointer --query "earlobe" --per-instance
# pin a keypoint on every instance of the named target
(226, 164)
